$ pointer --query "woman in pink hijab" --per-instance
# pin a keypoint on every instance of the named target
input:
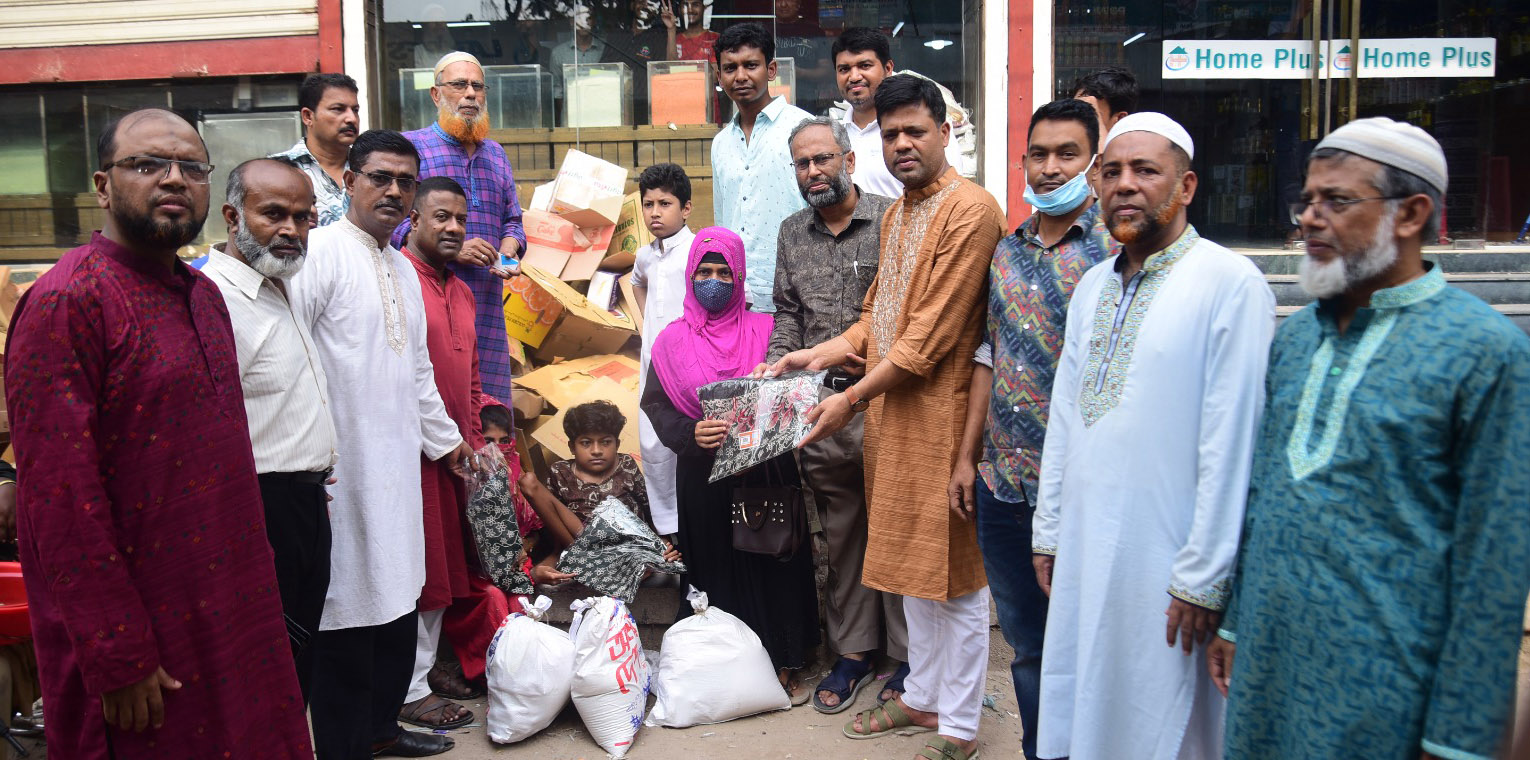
(719, 339)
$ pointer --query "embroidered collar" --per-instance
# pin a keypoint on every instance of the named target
(1409, 293)
(435, 126)
(1167, 257)
(358, 234)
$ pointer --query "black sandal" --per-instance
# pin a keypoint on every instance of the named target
(419, 712)
(845, 680)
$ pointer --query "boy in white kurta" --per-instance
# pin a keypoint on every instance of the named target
(660, 282)
(1146, 465)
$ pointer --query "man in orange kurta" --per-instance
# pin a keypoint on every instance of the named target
(918, 331)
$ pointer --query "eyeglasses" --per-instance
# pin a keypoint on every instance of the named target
(1330, 207)
(821, 160)
(459, 85)
(195, 172)
(381, 181)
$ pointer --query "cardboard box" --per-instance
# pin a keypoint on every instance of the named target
(584, 181)
(629, 302)
(563, 383)
(527, 406)
(557, 245)
(631, 233)
(545, 313)
(549, 434)
(602, 292)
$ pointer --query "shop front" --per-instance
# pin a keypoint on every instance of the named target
(610, 78)
(1258, 82)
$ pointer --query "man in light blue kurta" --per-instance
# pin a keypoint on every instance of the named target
(1386, 551)
(754, 187)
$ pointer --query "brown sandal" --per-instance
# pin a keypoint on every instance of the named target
(449, 682)
(430, 712)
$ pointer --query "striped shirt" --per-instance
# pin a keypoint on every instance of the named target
(284, 392)
(494, 213)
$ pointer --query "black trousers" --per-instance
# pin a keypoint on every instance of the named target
(360, 678)
(297, 526)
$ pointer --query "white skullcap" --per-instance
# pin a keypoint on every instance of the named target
(1394, 143)
(1158, 124)
(454, 57)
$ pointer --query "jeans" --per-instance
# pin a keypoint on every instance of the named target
(1004, 535)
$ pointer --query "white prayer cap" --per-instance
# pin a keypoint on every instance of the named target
(1158, 124)
(454, 57)
(1394, 143)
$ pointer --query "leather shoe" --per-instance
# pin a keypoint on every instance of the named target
(415, 744)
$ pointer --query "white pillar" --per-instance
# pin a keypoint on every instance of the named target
(994, 130)
(353, 27)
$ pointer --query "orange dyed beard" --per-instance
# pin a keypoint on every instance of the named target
(462, 130)
(1126, 232)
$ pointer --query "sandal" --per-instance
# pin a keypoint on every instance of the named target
(845, 680)
(941, 748)
(432, 714)
(450, 683)
(890, 717)
(894, 684)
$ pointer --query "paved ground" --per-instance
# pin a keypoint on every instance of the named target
(802, 733)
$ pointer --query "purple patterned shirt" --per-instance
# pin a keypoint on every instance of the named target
(494, 213)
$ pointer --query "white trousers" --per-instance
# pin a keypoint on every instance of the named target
(427, 640)
(948, 660)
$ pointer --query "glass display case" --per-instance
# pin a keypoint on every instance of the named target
(232, 139)
(519, 97)
(597, 95)
(415, 108)
(680, 92)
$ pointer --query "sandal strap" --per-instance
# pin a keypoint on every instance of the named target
(895, 714)
(945, 749)
(840, 677)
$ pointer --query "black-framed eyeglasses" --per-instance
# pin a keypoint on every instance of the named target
(459, 85)
(821, 160)
(195, 172)
(381, 180)
(1330, 207)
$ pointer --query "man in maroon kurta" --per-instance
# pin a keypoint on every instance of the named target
(457, 599)
(154, 604)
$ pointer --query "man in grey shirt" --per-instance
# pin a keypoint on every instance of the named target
(826, 260)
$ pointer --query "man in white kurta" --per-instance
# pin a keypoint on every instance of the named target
(1146, 466)
(660, 272)
(360, 299)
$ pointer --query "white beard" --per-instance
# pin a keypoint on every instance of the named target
(1328, 279)
(262, 260)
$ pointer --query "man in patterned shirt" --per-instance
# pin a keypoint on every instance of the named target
(457, 146)
(331, 120)
(1029, 283)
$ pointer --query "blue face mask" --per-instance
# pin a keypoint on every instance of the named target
(714, 294)
(1069, 196)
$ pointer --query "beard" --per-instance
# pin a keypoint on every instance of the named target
(262, 260)
(838, 190)
(463, 130)
(140, 226)
(1151, 224)
(1327, 279)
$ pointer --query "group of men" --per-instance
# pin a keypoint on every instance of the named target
(1097, 391)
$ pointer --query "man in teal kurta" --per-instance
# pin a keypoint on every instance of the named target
(1386, 549)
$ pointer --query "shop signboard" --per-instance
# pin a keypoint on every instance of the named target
(1293, 59)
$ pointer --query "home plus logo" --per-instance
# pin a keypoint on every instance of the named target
(1178, 59)
(1343, 59)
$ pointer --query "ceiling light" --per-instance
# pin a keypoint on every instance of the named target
(939, 44)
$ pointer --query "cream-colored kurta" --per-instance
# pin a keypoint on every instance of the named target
(924, 313)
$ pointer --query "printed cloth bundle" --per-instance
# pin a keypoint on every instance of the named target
(766, 417)
(491, 510)
(613, 552)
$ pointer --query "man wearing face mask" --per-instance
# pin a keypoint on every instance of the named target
(1030, 281)
(269, 210)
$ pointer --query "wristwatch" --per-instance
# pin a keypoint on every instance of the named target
(857, 404)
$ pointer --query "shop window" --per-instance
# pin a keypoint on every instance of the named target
(21, 145)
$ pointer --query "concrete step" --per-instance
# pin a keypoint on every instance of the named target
(1492, 287)
(1492, 259)
(1518, 313)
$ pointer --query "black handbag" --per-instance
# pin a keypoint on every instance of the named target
(769, 519)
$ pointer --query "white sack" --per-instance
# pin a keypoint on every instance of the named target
(713, 668)
(611, 676)
(530, 668)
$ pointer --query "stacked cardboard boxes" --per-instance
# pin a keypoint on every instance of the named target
(571, 315)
